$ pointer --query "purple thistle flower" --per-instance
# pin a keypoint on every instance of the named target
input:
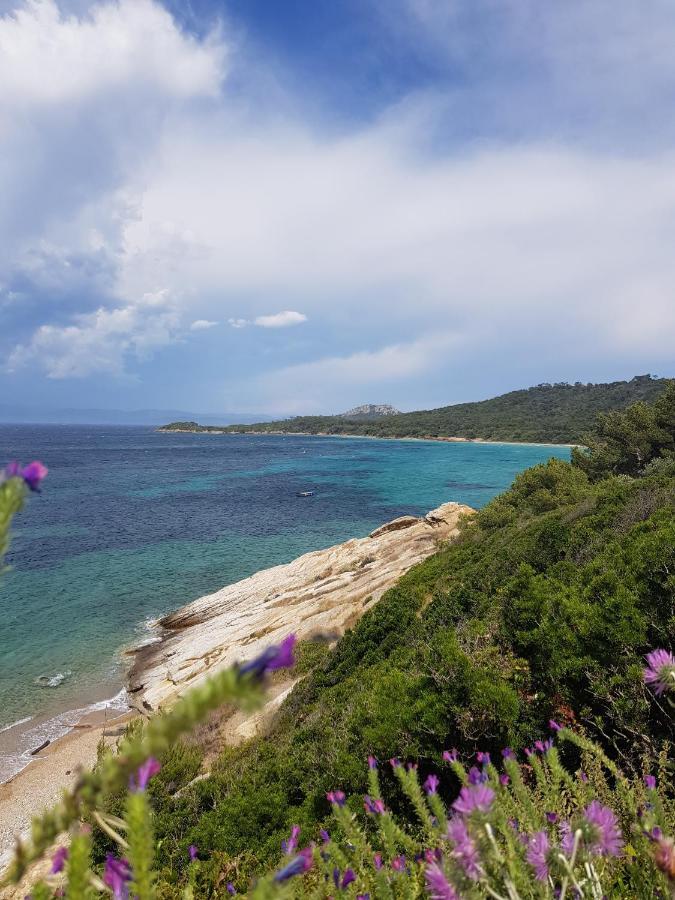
(297, 866)
(278, 656)
(474, 797)
(377, 860)
(528, 752)
(608, 840)
(650, 782)
(431, 784)
(193, 852)
(483, 758)
(398, 863)
(508, 753)
(411, 767)
(117, 875)
(289, 846)
(477, 776)
(347, 879)
(394, 762)
(554, 726)
(336, 797)
(464, 849)
(566, 838)
(59, 860)
(538, 848)
(230, 888)
(145, 772)
(363, 897)
(372, 762)
(660, 673)
(504, 780)
(450, 755)
(552, 817)
(543, 746)
(584, 777)
(33, 474)
(374, 807)
(325, 837)
(438, 886)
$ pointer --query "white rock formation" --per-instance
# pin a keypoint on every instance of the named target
(323, 592)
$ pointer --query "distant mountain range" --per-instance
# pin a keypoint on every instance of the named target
(547, 413)
(40, 415)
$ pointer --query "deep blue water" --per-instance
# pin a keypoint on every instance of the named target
(132, 523)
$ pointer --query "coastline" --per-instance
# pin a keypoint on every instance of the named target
(366, 437)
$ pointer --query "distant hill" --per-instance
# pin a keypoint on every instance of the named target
(370, 411)
(548, 413)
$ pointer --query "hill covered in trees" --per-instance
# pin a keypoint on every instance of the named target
(548, 413)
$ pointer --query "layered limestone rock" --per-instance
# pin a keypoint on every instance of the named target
(320, 593)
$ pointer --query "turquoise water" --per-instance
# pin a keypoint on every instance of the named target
(132, 523)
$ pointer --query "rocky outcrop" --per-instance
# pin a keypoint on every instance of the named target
(323, 592)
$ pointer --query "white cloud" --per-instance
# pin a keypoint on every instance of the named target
(238, 323)
(202, 325)
(280, 319)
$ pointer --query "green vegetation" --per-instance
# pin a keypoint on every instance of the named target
(555, 413)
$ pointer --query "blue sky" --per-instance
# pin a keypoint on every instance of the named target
(280, 207)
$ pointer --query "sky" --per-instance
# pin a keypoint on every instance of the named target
(285, 207)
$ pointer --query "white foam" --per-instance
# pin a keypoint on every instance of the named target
(51, 730)
(14, 724)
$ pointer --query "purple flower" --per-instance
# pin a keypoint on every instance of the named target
(193, 851)
(372, 762)
(278, 656)
(464, 849)
(398, 863)
(117, 875)
(394, 762)
(377, 860)
(431, 784)
(554, 726)
(504, 780)
(508, 753)
(347, 878)
(230, 888)
(584, 777)
(474, 797)
(543, 746)
(32, 474)
(566, 838)
(297, 866)
(661, 671)
(477, 776)
(325, 837)
(375, 807)
(363, 897)
(528, 751)
(483, 758)
(289, 846)
(438, 886)
(538, 848)
(336, 797)
(59, 860)
(607, 834)
(145, 772)
(552, 817)
(450, 756)
(650, 782)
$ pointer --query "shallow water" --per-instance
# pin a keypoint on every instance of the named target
(132, 523)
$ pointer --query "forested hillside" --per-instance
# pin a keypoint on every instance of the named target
(542, 609)
(556, 413)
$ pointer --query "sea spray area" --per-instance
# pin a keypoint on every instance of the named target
(134, 524)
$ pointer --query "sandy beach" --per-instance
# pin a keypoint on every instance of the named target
(40, 784)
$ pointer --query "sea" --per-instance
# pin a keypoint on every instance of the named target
(132, 523)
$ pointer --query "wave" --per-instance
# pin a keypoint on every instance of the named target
(14, 724)
(53, 680)
(51, 730)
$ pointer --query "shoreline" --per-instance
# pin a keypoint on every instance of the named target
(367, 437)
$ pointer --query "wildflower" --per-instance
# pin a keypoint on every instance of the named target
(608, 840)
(117, 875)
(537, 854)
(193, 852)
(325, 837)
(552, 817)
(476, 776)
(650, 782)
(394, 762)
(411, 767)
(372, 762)
(230, 888)
(278, 656)
(504, 780)
(398, 863)
(145, 772)
(347, 878)
(508, 753)
(474, 797)
(377, 860)
(33, 474)
(297, 866)
(483, 758)
(431, 784)
(554, 726)
(528, 751)
(336, 797)
(363, 897)
(661, 671)
(438, 886)
(664, 857)
(584, 777)
(464, 849)
(450, 756)
(375, 807)
(543, 746)
(288, 846)
(59, 860)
